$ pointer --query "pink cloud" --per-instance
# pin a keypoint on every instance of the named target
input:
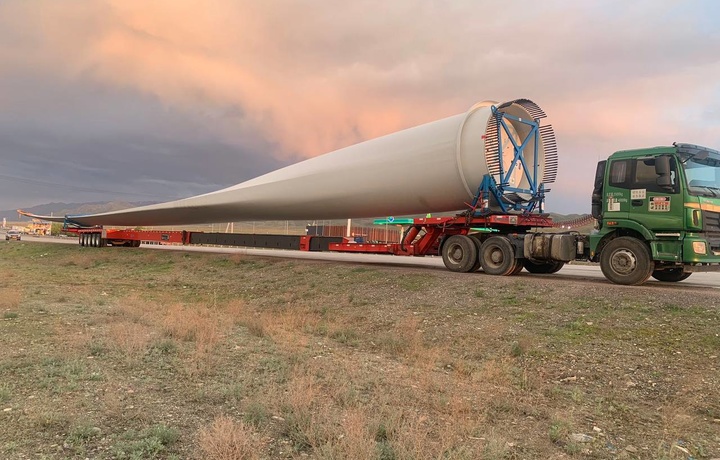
(311, 77)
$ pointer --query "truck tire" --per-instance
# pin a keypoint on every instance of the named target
(518, 267)
(543, 267)
(672, 275)
(478, 245)
(459, 253)
(497, 256)
(626, 260)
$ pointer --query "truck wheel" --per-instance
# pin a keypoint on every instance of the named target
(497, 256)
(478, 245)
(672, 275)
(518, 267)
(545, 267)
(459, 253)
(626, 260)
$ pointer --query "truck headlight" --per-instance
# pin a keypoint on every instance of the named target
(699, 247)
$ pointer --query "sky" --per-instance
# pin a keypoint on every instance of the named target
(158, 100)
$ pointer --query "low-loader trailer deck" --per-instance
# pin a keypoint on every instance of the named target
(460, 241)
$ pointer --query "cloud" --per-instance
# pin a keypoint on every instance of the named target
(285, 80)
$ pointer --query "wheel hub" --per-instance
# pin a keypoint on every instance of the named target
(496, 256)
(456, 253)
(623, 262)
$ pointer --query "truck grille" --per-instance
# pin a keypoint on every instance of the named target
(713, 240)
(711, 221)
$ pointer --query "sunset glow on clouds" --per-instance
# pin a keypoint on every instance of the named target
(198, 95)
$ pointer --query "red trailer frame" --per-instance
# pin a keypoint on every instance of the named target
(424, 237)
(437, 229)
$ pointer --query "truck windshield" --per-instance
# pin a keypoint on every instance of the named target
(703, 176)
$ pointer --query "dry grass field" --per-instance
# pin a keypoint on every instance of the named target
(139, 354)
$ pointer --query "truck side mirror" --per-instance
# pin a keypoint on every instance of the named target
(665, 178)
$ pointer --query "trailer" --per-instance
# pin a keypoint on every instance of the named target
(465, 243)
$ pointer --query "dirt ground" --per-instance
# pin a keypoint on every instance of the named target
(132, 353)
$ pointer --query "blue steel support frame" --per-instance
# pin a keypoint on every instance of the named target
(491, 187)
(68, 222)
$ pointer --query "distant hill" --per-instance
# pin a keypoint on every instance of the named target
(565, 217)
(62, 209)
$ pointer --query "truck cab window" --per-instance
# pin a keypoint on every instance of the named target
(618, 173)
(645, 176)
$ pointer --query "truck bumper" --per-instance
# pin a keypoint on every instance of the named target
(698, 250)
(696, 268)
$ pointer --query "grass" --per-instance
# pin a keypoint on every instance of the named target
(227, 439)
(256, 415)
(155, 354)
(346, 336)
(559, 431)
(5, 393)
(148, 443)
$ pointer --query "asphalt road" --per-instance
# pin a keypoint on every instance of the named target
(574, 272)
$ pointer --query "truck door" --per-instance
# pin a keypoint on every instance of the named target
(659, 207)
(634, 193)
(616, 201)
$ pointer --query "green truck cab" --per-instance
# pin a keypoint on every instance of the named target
(658, 213)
